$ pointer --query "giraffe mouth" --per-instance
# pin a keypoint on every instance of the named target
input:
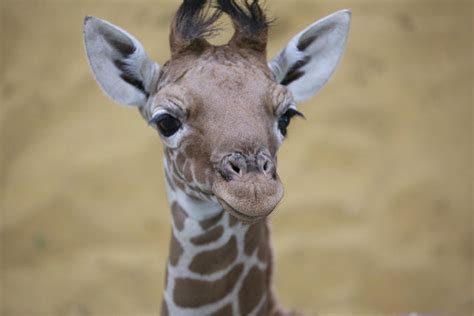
(240, 216)
(250, 198)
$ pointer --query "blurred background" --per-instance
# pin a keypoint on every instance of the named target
(377, 217)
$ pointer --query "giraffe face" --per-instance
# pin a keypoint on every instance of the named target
(221, 111)
(221, 118)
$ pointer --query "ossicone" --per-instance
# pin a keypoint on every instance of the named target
(250, 23)
(195, 21)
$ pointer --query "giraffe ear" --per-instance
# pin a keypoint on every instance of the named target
(311, 57)
(119, 62)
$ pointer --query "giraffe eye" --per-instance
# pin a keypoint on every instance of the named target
(167, 124)
(285, 119)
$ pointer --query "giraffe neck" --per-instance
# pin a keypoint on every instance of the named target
(217, 265)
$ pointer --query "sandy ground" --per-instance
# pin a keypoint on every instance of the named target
(377, 217)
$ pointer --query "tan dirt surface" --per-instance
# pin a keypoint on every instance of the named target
(377, 217)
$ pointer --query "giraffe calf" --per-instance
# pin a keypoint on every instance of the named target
(221, 113)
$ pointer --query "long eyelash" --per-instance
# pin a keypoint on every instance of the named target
(158, 115)
(293, 112)
(153, 120)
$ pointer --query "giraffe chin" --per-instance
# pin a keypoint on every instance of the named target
(241, 217)
(249, 201)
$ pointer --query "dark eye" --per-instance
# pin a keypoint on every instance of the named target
(167, 124)
(284, 120)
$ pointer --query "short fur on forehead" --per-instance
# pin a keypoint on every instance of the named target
(195, 20)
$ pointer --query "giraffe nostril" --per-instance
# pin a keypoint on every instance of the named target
(266, 167)
(238, 165)
(234, 167)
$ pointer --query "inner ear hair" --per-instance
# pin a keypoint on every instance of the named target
(125, 49)
(119, 62)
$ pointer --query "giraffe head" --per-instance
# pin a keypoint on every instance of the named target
(221, 111)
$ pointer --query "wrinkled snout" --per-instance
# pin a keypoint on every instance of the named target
(247, 185)
(238, 165)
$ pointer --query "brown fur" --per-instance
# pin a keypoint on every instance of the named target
(195, 293)
(164, 309)
(252, 290)
(211, 261)
(253, 238)
(176, 250)
(208, 223)
(232, 221)
(224, 311)
(209, 236)
(179, 215)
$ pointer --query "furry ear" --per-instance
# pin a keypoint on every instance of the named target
(311, 57)
(119, 62)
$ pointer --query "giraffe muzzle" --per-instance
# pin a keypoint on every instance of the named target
(248, 186)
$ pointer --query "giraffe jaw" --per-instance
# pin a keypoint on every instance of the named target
(250, 199)
(240, 216)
